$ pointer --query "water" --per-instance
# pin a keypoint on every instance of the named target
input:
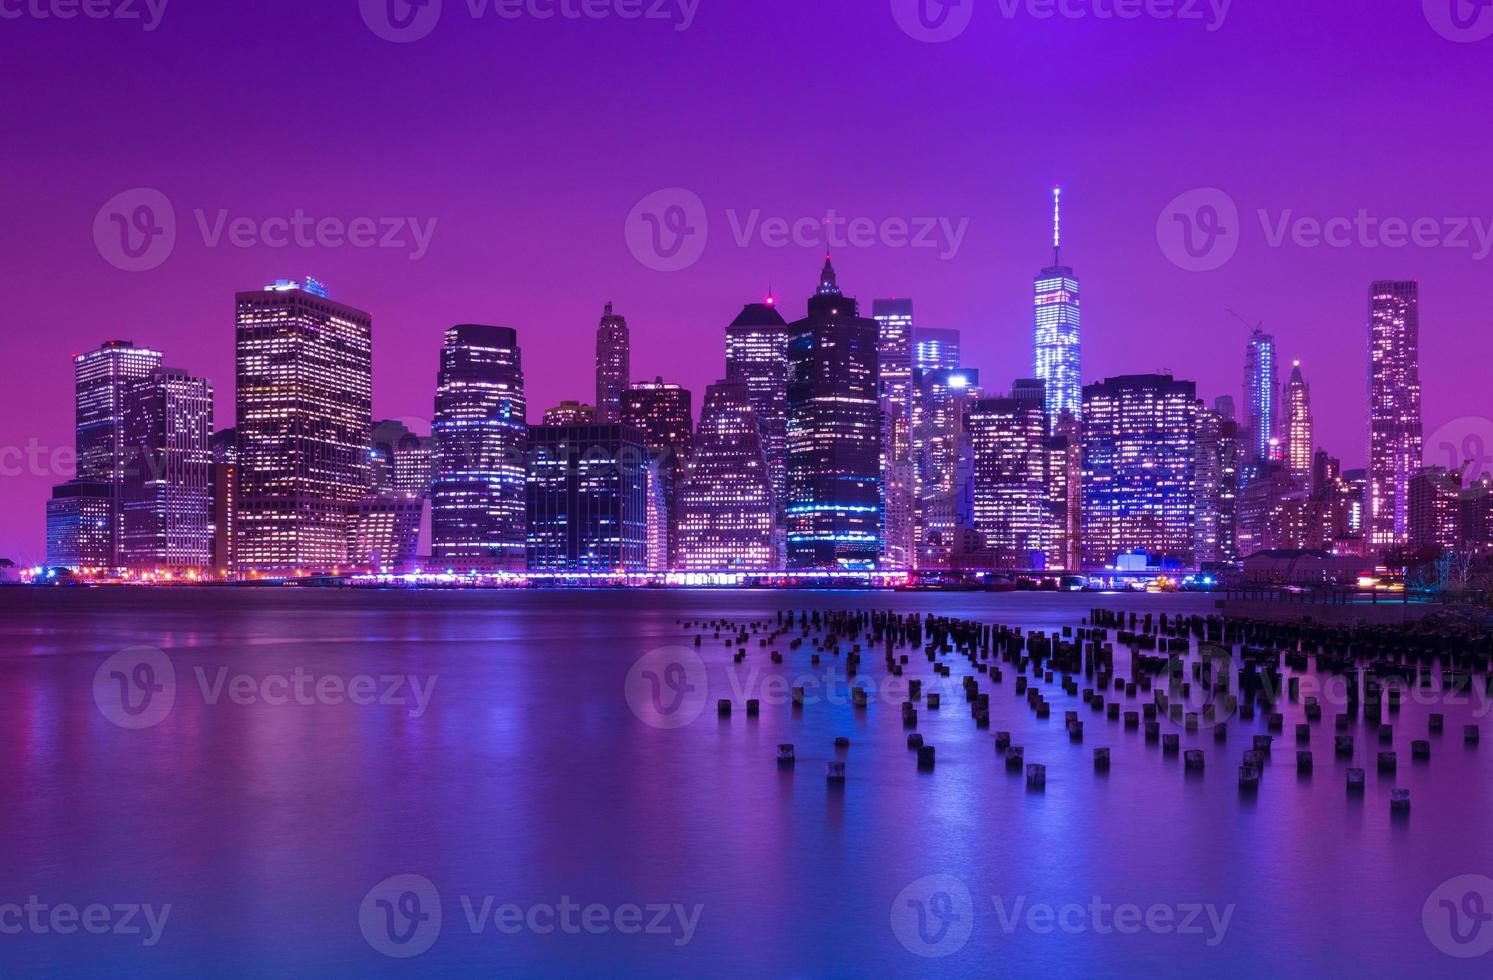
(527, 778)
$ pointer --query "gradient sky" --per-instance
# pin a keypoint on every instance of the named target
(529, 141)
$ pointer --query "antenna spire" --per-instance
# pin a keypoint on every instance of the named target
(1057, 224)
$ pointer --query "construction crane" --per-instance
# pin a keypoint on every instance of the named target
(1253, 326)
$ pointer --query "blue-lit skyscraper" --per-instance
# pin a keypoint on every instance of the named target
(1058, 359)
(834, 434)
(933, 348)
(1259, 398)
(479, 494)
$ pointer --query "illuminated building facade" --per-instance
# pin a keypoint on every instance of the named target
(1276, 512)
(894, 319)
(657, 521)
(1259, 399)
(167, 495)
(101, 380)
(225, 498)
(478, 498)
(304, 410)
(1139, 468)
(384, 533)
(1395, 433)
(587, 499)
(1009, 439)
(725, 505)
(834, 435)
(664, 413)
(934, 348)
(1298, 446)
(613, 366)
(1056, 340)
(1064, 534)
(1218, 470)
(403, 461)
(79, 519)
(757, 356)
(570, 413)
(943, 462)
(1435, 504)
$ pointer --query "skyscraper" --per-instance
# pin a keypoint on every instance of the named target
(225, 498)
(479, 494)
(613, 366)
(587, 499)
(166, 499)
(725, 502)
(1259, 399)
(1139, 468)
(570, 413)
(404, 460)
(834, 434)
(934, 348)
(1395, 434)
(1009, 438)
(1298, 406)
(101, 380)
(894, 320)
(664, 413)
(1217, 484)
(1064, 534)
(384, 532)
(1058, 356)
(757, 356)
(79, 518)
(943, 462)
(304, 411)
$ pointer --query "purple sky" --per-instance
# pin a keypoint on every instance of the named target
(529, 142)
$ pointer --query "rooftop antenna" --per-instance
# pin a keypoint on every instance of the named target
(1057, 223)
(1253, 326)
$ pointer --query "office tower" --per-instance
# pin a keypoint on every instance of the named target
(725, 502)
(166, 499)
(384, 532)
(657, 521)
(1058, 356)
(894, 321)
(834, 434)
(1298, 408)
(1139, 468)
(304, 410)
(1395, 434)
(79, 522)
(757, 356)
(943, 462)
(1009, 440)
(1259, 398)
(225, 498)
(570, 413)
(1065, 495)
(1435, 508)
(587, 499)
(663, 412)
(613, 370)
(1276, 511)
(1218, 452)
(478, 499)
(1476, 511)
(934, 348)
(404, 461)
(101, 379)
(1358, 508)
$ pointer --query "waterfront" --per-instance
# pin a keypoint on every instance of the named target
(509, 764)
